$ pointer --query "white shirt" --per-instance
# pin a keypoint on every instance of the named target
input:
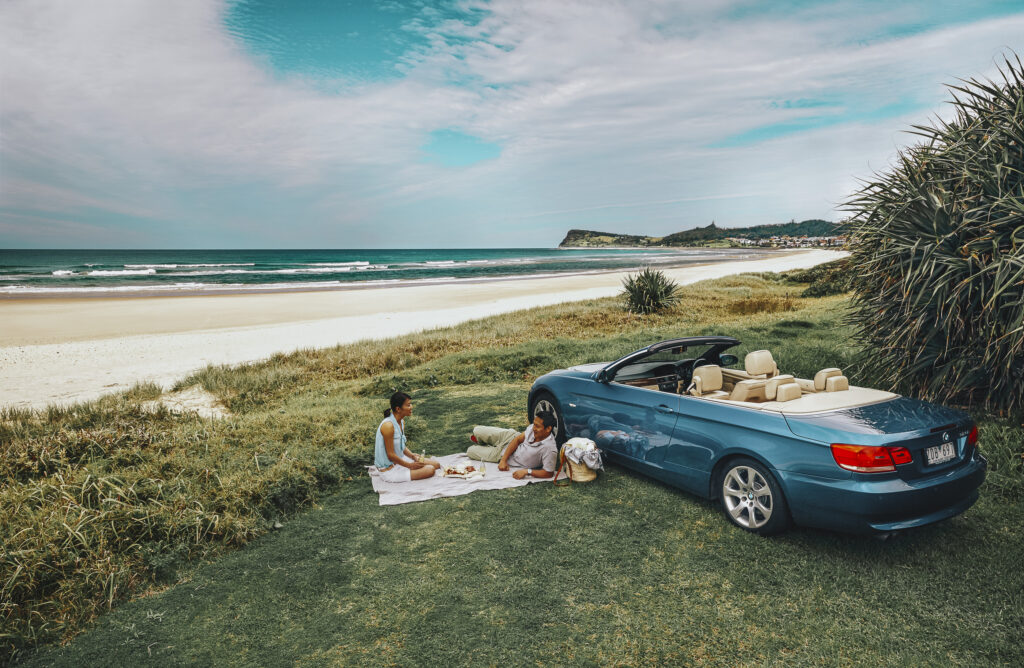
(534, 454)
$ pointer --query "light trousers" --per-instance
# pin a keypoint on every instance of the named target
(490, 443)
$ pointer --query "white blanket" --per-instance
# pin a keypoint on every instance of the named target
(394, 493)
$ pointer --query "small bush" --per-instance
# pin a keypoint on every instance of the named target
(649, 291)
(830, 278)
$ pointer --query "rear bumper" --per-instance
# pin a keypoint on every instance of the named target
(865, 505)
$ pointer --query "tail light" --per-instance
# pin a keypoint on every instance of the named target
(900, 456)
(870, 458)
(972, 438)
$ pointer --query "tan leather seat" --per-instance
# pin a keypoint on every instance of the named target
(771, 387)
(759, 364)
(707, 382)
(788, 392)
(748, 390)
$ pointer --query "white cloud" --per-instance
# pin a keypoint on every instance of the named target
(147, 108)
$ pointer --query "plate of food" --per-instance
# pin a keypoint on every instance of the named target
(464, 470)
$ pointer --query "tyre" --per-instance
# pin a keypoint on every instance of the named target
(752, 498)
(545, 401)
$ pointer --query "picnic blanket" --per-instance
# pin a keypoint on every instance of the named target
(395, 493)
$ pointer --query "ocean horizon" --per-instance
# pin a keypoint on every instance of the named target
(70, 273)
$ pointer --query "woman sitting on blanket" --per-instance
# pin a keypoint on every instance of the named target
(392, 456)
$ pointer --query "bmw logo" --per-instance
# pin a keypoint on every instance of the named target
(945, 436)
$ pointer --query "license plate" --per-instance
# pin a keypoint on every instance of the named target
(939, 453)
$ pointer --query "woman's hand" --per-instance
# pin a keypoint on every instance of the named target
(415, 465)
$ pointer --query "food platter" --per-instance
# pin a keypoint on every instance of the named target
(464, 470)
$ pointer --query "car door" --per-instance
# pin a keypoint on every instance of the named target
(634, 425)
(696, 437)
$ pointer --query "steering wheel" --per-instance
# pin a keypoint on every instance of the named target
(685, 369)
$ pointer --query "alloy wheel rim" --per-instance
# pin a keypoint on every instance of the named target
(545, 405)
(748, 498)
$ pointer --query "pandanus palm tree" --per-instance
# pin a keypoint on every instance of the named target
(938, 253)
(649, 291)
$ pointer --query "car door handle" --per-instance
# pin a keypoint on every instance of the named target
(665, 409)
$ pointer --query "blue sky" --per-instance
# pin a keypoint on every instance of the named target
(347, 124)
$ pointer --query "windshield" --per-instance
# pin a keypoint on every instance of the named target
(664, 362)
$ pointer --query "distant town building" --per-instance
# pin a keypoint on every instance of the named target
(791, 242)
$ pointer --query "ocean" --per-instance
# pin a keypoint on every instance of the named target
(71, 273)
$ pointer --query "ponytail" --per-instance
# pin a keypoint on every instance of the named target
(398, 400)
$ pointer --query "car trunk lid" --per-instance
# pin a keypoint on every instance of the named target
(935, 436)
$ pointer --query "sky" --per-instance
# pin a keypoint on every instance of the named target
(463, 123)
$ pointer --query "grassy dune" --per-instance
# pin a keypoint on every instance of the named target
(105, 503)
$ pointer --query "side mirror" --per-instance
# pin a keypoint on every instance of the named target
(602, 376)
(728, 360)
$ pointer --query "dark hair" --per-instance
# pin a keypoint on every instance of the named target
(398, 400)
(548, 418)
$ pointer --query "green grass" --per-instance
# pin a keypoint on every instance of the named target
(624, 571)
(621, 571)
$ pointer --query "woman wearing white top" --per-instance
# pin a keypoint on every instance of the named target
(391, 455)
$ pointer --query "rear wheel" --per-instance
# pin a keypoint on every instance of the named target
(545, 401)
(752, 498)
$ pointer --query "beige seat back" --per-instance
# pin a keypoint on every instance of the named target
(771, 387)
(748, 390)
(788, 392)
(706, 379)
(822, 376)
(759, 364)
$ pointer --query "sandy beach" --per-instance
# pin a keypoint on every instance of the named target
(71, 350)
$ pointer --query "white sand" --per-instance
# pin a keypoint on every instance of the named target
(65, 351)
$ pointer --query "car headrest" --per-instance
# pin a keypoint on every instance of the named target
(836, 384)
(772, 385)
(821, 376)
(760, 363)
(788, 392)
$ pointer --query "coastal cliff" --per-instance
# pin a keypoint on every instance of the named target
(590, 239)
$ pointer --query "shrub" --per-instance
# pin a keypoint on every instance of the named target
(649, 291)
(830, 278)
(938, 254)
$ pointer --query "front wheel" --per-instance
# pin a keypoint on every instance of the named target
(752, 498)
(545, 401)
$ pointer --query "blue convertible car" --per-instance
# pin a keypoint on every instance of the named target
(772, 448)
